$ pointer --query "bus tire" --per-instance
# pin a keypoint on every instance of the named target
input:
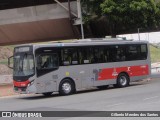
(47, 94)
(66, 87)
(122, 80)
(103, 87)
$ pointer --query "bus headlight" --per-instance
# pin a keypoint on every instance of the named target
(31, 83)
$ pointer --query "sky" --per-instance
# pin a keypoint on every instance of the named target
(152, 37)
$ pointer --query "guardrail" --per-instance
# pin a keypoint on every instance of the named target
(155, 70)
(155, 67)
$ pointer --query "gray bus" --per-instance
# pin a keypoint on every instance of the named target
(68, 67)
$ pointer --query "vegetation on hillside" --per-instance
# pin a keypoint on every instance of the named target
(5, 53)
(155, 54)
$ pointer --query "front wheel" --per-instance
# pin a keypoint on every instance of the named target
(66, 87)
(122, 80)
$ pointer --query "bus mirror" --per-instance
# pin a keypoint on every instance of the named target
(10, 62)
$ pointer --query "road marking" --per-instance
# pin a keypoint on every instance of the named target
(151, 98)
(153, 102)
(115, 104)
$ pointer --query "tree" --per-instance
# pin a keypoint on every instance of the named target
(158, 13)
(91, 11)
(91, 8)
(129, 14)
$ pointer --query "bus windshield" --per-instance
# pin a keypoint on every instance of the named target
(23, 65)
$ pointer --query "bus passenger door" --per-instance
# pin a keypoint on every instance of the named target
(47, 68)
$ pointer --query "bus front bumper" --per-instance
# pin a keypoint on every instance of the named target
(25, 90)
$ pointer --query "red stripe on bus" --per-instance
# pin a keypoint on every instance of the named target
(112, 73)
(21, 84)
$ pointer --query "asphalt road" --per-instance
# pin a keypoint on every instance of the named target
(140, 96)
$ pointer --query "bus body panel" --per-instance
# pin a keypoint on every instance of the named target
(85, 76)
(88, 75)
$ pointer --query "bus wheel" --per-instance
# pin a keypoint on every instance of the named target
(122, 80)
(103, 87)
(66, 87)
(47, 94)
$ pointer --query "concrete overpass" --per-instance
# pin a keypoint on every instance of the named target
(24, 21)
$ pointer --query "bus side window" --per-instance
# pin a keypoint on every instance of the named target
(70, 56)
(102, 55)
(121, 53)
(112, 54)
(85, 55)
(66, 57)
(143, 52)
(99, 55)
(74, 57)
(134, 52)
(106, 55)
(67, 60)
(96, 55)
(47, 61)
(80, 57)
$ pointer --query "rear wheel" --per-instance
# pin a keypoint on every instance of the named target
(122, 80)
(66, 87)
(47, 94)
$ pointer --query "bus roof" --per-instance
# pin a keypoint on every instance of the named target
(86, 42)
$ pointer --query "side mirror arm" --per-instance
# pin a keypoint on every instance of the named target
(10, 62)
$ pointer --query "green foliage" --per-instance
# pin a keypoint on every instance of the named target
(90, 9)
(130, 13)
(4, 61)
(123, 15)
(158, 12)
(92, 6)
(155, 56)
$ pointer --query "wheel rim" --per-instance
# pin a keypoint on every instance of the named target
(123, 80)
(66, 87)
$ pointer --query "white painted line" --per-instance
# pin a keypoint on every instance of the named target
(153, 102)
(151, 98)
(115, 104)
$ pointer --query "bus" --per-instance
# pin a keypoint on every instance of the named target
(82, 64)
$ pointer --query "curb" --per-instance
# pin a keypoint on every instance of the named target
(6, 84)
